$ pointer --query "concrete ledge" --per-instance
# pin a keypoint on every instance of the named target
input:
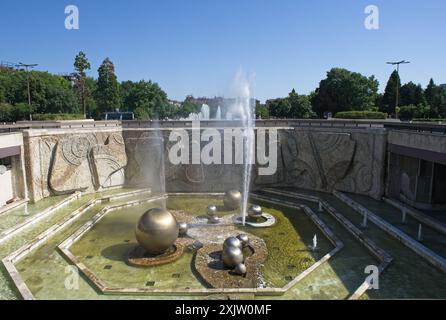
(418, 215)
(15, 205)
(379, 253)
(6, 234)
(20, 253)
(408, 241)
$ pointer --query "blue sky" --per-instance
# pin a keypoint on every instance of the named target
(196, 46)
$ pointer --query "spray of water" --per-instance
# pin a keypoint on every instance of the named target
(243, 109)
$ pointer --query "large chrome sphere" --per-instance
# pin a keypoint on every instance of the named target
(232, 199)
(157, 230)
(212, 211)
(231, 257)
(232, 242)
(240, 269)
(243, 239)
(255, 211)
(182, 228)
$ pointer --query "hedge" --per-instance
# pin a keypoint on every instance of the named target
(429, 120)
(57, 116)
(361, 115)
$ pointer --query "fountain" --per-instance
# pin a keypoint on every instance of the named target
(243, 109)
(314, 246)
(218, 114)
(205, 112)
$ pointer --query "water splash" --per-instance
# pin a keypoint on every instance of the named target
(243, 109)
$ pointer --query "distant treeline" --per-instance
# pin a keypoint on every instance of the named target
(78, 95)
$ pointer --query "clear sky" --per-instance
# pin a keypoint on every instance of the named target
(196, 46)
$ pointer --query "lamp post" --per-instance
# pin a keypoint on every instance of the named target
(397, 64)
(27, 66)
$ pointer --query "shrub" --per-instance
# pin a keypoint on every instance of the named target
(57, 116)
(429, 120)
(6, 112)
(361, 115)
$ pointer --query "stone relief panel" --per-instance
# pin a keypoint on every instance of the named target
(309, 159)
(64, 163)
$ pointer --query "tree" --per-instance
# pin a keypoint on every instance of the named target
(436, 99)
(107, 90)
(300, 106)
(148, 98)
(412, 94)
(388, 102)
(261, 111)
(81, 65)
(50, 93)
(279, 108)
(344, 90)
(187, 108)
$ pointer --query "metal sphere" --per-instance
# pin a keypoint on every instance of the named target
(231, 257)
(182, 228)
(212, 210)
(240, 269)
(232, 242)
(243, 239)
(255, 211)
(156, 230)
(232, 199)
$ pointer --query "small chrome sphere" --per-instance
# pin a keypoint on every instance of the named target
(255, 211)
(240, 269)
(232, 242)
(231, 257)
(156, 230)
(243, 239)
(182, 228)
(232, 199)
(212, 211)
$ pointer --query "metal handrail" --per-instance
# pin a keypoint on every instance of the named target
(294, 123)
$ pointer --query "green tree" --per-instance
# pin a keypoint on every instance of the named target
(49, 93)
(436, 99)
(261, 111)
(344, 90)
(107, 90)
(59, 100)
(388, 102)
(300, 106)
(148, 97)
(90, 102)
(279, 108)
(412, 94)
(187, 108)
(81, 65)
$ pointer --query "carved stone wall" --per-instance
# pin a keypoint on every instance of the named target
(63, 161)
(316, 159)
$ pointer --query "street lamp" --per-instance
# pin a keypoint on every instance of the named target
(397, 64)
(27, 67)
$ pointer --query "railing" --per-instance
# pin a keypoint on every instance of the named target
(25, 125)
(285, 123)
(288, 123)
(418, 127)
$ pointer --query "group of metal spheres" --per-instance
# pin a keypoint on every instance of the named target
(157, 230)
(232, 254)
